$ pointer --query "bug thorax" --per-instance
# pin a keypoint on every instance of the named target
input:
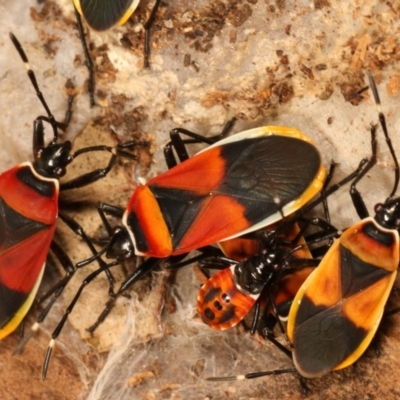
(120, 246)
(388, 214)
(253, 274)
(51, 161)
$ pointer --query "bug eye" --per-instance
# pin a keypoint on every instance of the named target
(59, 172)
(39, 153)
(378, 208)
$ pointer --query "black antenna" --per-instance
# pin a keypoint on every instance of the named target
(50, 118)
(382, 121)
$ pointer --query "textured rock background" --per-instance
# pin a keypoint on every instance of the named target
(293, 63)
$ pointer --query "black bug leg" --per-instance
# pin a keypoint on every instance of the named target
(70, 270)
(179, 145)
(88, 58)
(356, 197)
(93, 176)
(267, 335)
(145, 268)
(147, 31)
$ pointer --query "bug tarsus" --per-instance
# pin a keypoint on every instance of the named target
(47, 357)
(252, 375)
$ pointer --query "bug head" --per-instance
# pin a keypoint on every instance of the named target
(120, 246)
(388, 214)
(53, 159)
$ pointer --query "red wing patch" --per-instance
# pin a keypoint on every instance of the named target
(20, 265)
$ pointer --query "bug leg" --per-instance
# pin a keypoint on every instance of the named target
(115, 211)
(68, 115)
(179, 145)
(219, 262)
(289, 221)
(327, 193)
(21, 330)
(68, 311)
(38, 141)
(251, 375)
(376, 346)
(100, 173)
(268, 336)
(145, 268)
(78, 230)
(209, 254)
(382, 121)
(358, 202)
(304, 388)
(325, 199)
(256, 317)
(88, 58)
(328, 232)
(147, 27)
(70, 270)
(56, 291)
(89, 177)
(278, 320)
(354, 193)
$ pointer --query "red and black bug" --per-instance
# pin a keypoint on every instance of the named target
(338, 309)
(234, 187)
(29, 211)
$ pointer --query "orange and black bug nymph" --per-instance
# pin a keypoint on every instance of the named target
(278, 267)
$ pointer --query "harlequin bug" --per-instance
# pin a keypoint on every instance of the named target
(29, 210)
(235, 186)
(101, 15)
(338, 309)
